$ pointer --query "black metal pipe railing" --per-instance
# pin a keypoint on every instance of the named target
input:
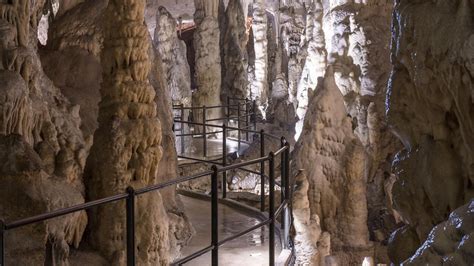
(262, 171)
(271, 208)
(199, 160)
(214, 217)
(130, 197)
(224, 161)
(130, 213)
(244, 232)
(193, 256)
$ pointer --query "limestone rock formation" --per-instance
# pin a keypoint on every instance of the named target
(449, 242)
(315, 63)
(429, 108)
(71, 59)
(292, 27)
(234, 55)
(26, 190)
(127, 145)
(208, 59)
(332, 159)
(172, 52)
(180, 230)
(42, 151)
(259, 87)
(173, 61)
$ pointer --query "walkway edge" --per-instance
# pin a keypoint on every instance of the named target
(285, 256)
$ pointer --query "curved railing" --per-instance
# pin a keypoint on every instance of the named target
(242, 129)
(216, 169)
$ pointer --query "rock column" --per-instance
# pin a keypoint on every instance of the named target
(127, 145)
(208, 59)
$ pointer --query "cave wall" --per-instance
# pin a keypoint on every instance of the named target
(430, 109)
(43, 151)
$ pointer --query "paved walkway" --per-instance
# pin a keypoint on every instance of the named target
(248, 250)
(214, 148)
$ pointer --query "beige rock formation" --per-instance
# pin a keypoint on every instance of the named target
(259, 86)
(26, 190)
(127, 145)
(42, 151)
(208, 60)
(180, 230)
(332, 160)
(234, 61)
(172, 52)
(429, 108)
(315, 63)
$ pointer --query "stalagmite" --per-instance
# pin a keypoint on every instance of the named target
(127, 145)
(315, 63)
(172, 52)
(235, 80)
(331, 158)
(259, 87)
(208, 60)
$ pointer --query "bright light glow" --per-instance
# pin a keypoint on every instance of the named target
(368, 261)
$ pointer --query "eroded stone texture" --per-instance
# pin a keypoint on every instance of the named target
(450, 242)
(172, 52)
(208, 59)
(174, 64)
(71, 59)
(27, 190)
(42, 149)
(234, 61)
(315, 62)
(429, 108)
(127, 145)
(331, 157)
(180, 229)
(259, 88)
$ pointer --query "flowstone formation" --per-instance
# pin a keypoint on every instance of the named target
(42, 149)
(172, 52)
(207, 58)
(314, 63)
(332, 206)
(430, 109)
(352, 39)
(127, 145)
(234, 55)
(259, 88)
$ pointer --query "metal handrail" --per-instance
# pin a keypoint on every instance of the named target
(132, 193)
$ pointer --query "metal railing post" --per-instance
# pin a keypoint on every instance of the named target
(224, 160)
(204, 131)
(247, 117)
(282, 179)
(182, 129)
(130, 204)
(254, 114)
(228, 108)
(238, 126)
(262, 171)
(214, 218)
(286, 233)
(2, 243)
(271, 209)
